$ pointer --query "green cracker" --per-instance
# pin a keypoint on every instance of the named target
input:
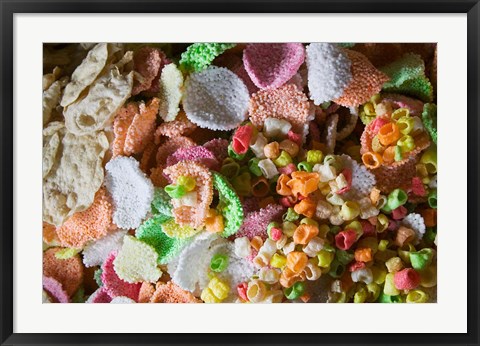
(407, 76)
(161, 202)
(230, 205)
(199, 56)
(151, 233)
(429, 118)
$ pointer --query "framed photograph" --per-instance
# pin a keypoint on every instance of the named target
(239, 172)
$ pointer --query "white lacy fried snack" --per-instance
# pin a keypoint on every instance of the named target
(72, 171)
(171, 83)
(96, 110)
(86, 73)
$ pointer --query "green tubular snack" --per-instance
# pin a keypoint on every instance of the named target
(230, 206)
(429, 119)
(199, 56)
(219, 263)
(407, 76)
(151, 233)
(161, 202)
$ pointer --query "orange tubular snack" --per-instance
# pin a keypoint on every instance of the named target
(282, 188)
(306, 207)
(260, 187)
(429, 217)
(304, 233)
(389, 155)
(404, 236)
(288, 278)
(303, 183)
(389, 134)
(363, 255)
(296, 261)
(372, 160)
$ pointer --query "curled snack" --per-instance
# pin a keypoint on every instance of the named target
(166, 247)
(286, 102)
(329, 71)
(131, 191)
(136, 261)
(68, 272)
(229, 206)
(193, 216)
(171, 84)
(407, 76)
(55, 290)
(147, 64)
(90, 224)
(199, 56)
(215, 99)
(195, 153)
(256, 222)
(348, 128)
(180, 126)
(96, 110)
(72, 172)
(171, 293)
(270, 65)
(95, 253)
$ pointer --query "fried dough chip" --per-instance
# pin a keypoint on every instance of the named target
(72, 172)
(51, 98)
(96, 109)
(86, 73)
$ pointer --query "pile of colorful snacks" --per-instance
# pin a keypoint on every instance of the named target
(247, 173)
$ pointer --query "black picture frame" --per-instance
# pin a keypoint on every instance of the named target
(9, 7)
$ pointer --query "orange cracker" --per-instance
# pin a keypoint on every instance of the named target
(122, 122)
(90, 224)
(69, 272)
(146, 292)
(170, 146)
(142, 127)
(171, 293)
(193, 216)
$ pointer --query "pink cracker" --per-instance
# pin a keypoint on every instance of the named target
(170, 146)
(219, 148)
(197, 154)
(250, 204)
(55, 290)
(100, 296)
(147, 62)
(115, 286)
(286, 102)
(270, 65)
(243, 75)
(256, 222)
